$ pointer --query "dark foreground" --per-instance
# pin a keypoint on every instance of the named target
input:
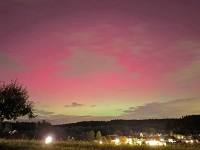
(80, 145)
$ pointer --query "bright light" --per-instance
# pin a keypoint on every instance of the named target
(154, 142)
(129, 140)
(117, 141)
(48, 140)
(100, 142)
(139, 142)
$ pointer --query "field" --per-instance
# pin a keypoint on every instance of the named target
(80, 145)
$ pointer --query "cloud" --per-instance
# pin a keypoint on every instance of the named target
(130, 110)
(45, 113)
(8, 63)
(174, 108)
(189, 71)
(64, 119)
(82, 62)
(93, 106)
(74, 104)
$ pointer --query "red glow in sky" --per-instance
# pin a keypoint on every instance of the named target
(102, 60)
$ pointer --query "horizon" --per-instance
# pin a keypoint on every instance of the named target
(103, 60)
(36, 121)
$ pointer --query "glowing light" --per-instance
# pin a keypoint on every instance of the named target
(48, 140)
(139, 142)
(117, 141)
(154, 142)
(129, 141)
(100, 142)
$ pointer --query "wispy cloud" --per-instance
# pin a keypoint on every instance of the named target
(82, 62)
(74, 104)
(45, 113)
(188, 71)
(8, 63)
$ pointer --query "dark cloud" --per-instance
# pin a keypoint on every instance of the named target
(174, 108)
(64, 119)
(130, 110)
(74, 104)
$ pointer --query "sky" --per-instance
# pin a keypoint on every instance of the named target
(84, 60)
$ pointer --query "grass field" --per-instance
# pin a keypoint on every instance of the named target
(80, 145)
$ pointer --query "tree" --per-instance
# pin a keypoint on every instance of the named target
(7, 127)
(123, 139)
(109, 139)
(1, 128)
(14, 102)
(171, 133)
(130, 133)
(98, 135)
(104, 140)
(83, 135)
(88, 136)
(118, 133)
(91, 136)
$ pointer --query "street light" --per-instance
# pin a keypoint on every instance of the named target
(48, 140)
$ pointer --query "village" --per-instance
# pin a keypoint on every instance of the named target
(144, 138)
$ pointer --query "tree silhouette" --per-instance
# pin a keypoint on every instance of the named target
(98, 135)
(14, 102)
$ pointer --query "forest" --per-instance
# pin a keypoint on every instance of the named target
(185, 125)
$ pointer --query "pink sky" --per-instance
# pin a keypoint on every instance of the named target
(102, 60)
